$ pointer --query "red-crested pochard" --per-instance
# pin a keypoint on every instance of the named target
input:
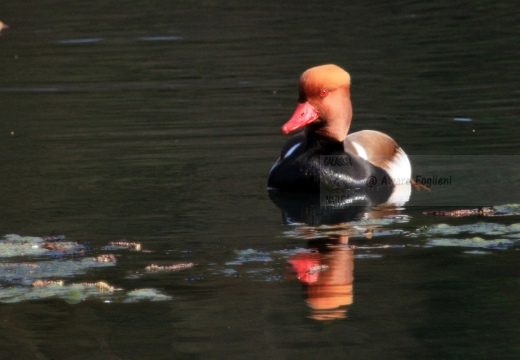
(325, 151)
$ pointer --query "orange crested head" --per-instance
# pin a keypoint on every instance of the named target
(316, 80)
(323, 104)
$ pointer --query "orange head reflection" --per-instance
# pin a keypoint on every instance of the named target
(327, 280)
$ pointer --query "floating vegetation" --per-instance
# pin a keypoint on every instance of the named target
(18, 265)
(146, 294)
(105, 258)
(508, 209)
(124, 245)
(26, 273)
(15, 245)
(176, 267)
(502, 210)
(487, 235)
(48, 261)
(484, 228)
(476, 242)
(101, 286)
(47, 282)
(462, 212)
(72, 293)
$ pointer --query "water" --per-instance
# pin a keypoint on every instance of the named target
(157, 123)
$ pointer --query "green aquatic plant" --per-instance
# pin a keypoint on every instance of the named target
(36, 268)
(73, 293)
(480, 234)
(15, 245)
(475, 242)
(175, 267)
(484, 228)
(146, 295)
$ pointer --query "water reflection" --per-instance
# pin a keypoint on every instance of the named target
(318, 209)
(327, 277)
(326, 272)
(160, 38)
(80, 41)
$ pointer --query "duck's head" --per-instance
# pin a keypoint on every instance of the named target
(324, 103)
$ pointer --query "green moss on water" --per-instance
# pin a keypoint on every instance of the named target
(146, 294)
(15, 245)
(76, 293)
(484, 228)
(485, 235)
(476, 242)
(40, 260)
(26, 272)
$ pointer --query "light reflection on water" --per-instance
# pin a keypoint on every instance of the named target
(159, 122)
(81, 41)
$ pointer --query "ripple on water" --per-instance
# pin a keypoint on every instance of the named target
(160, 38)
(80, 41)
(251, 255)
(368, 256)
(462, 119)
(477, 252)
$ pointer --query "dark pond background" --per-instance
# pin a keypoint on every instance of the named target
(158, 121)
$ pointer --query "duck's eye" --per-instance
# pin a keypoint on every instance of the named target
(324, 93)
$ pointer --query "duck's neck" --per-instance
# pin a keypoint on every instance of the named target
(336, 128)
(334, 131)
(325, 144)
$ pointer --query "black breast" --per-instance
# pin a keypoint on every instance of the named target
(307, 166)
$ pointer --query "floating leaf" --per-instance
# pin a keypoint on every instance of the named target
(476, 242)
(146, 294)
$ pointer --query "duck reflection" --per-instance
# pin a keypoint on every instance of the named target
(326, 272)
(327, 276)
(310, 209)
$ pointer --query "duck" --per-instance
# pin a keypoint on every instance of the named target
(324, 152)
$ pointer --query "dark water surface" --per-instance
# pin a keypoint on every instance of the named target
(157, 123)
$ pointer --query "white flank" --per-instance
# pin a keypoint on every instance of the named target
(399, 168)
(400, 195)
(400, 171)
